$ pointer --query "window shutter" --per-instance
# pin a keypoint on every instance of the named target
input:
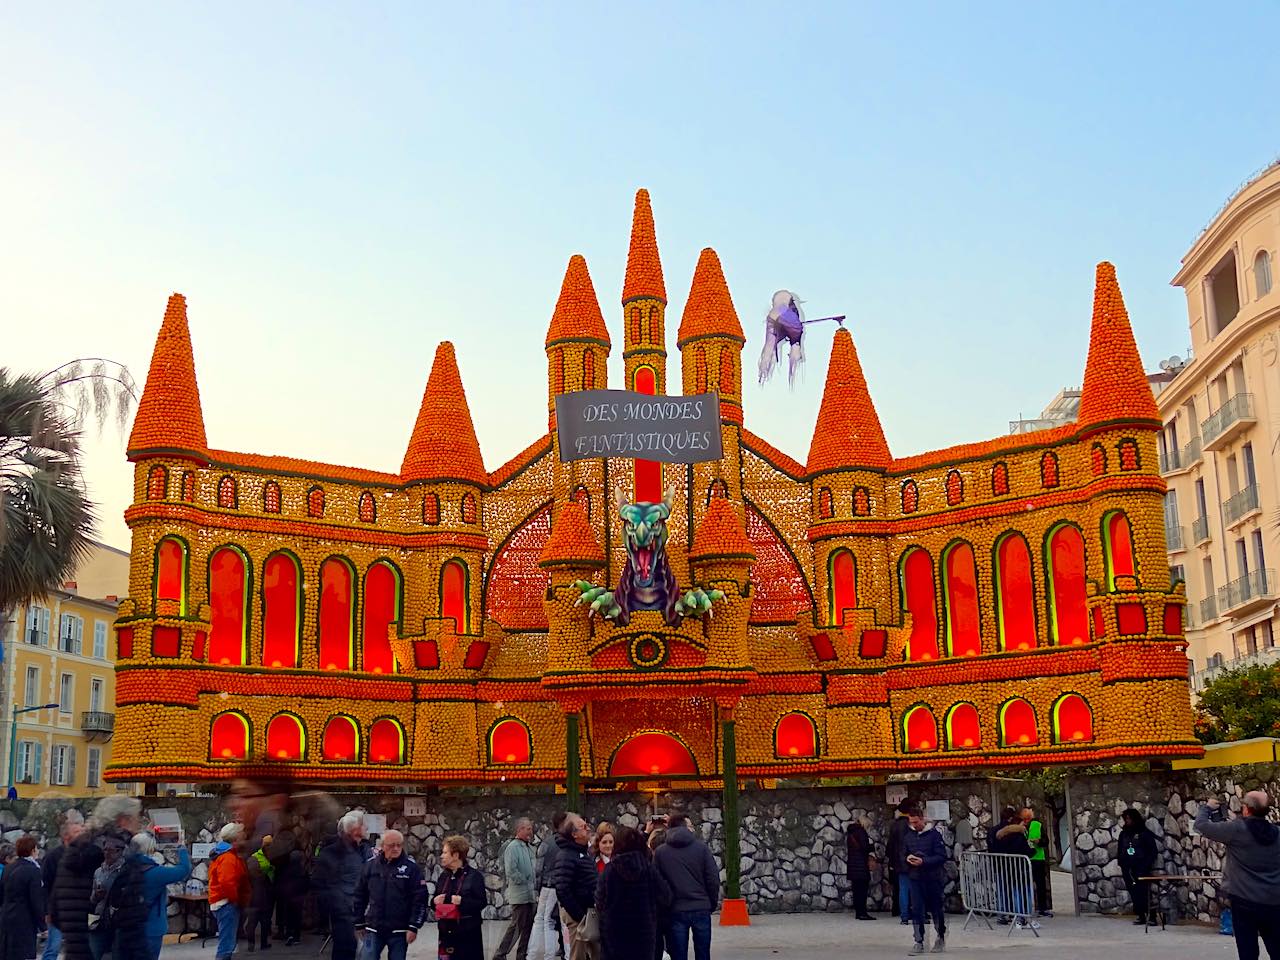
(45, 616)
(37, 763)
(79, 625)
(33, 625)
(70, 778)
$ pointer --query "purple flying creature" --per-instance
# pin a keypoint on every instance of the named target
(785, 322)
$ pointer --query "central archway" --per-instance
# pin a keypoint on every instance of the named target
(652, 755)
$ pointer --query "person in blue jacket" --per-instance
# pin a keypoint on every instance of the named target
(925, 854)
(155, 884)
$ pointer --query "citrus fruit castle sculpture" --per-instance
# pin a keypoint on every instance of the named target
(992, 604)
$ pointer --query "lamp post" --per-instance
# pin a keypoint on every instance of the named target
(13, 734)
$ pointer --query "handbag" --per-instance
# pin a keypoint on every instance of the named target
(446, 910)
(589, 929)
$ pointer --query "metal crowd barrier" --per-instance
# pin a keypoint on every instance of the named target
(997, 885)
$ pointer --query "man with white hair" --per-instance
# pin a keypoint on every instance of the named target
(337, 871)
(391, 900)
(1253, 858)
(517, 861)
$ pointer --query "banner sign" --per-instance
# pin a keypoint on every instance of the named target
(623, 423)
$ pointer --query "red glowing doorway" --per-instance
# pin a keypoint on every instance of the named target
(653, 755)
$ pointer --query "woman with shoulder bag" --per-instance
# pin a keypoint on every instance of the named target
(460, 898)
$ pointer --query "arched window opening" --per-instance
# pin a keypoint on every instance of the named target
(281, 610)
(1068, 604)
(717, 490)
(955, 488)
(920, 730)
(796, 737)
(271, 497)
(826, 509)
(647, 473)
(910, 496)
(699, 370)
(454, 587)
(367, 508)
(964, 622)
(228, 496)
(229, 606)
(582, 496)
(728, 372)
(588, 370)
(636, 332)
(341, 741)
(842, 575)
(509, 742)
(1127, 453)
(285, 738)
(1262, 273)
(171, 573)
(1098, 459)
(229, 737)
(386, 742)
(157, 483)
(557, 371)
(189, 487)
(315, 502)
(337, 614)
(861, 502)
(1016, 596)
(468, 509)
(430, 509)
(964, 731)
(1049, 469)
(917, 591)
(1018, 725)
(1072, 719)
(1117, 539)
(381, 609)
(999, 480)
(652, 755)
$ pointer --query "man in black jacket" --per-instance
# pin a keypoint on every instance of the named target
(686, 864)
(72, 827)
(391, 900)
(895, 855)
(337, 871)
(575, 883)
(926, 856)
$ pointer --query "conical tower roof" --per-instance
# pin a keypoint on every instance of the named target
(444, 445)
(709, 311)
(577, 315)
(169, 416)
(848, 432)
(721, 534)
(1115, 382)
(572, 542)
(644, 266)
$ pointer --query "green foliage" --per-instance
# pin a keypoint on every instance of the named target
(1240, 704)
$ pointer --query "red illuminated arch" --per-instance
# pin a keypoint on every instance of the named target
(337, 613)
(382, 598)
(171, 572)
(648, 473)
(286, 739)
(229, 737)
(455, 584)
(1018, 724)
(919, 730)
(1072, 719)
(917, 592)
(652, 755)
(1015, 594)
(386, 741)
(281, 610)
(842, 576)
(1068, 606)
(795, 737)
(509, 742)
(964, 731)
(960, 582)
(229, 606)
(341, 740)
(1117, 539)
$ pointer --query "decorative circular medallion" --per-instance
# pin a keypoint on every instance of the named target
(648, 651)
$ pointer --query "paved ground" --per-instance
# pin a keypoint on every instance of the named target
(824, 936)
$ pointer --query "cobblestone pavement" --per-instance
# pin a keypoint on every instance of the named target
(822, 936)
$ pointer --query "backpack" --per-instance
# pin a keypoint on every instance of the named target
(127, 905)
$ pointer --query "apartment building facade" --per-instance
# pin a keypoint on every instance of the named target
(58, 709)
(1221, 437)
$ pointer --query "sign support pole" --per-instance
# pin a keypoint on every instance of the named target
(572, 764)
(733, 912)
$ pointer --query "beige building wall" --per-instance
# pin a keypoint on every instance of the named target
(61, 650)
(1221, 438)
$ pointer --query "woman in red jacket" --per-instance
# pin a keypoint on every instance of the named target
(229, 888)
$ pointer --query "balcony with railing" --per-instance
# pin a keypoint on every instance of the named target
(1208, 610)
(1263, 657)
(1225, 423)
(1248, 593)
(1199, 529)
(96, 722)
(1240, 505)
(1173, 538)
(1175, 461)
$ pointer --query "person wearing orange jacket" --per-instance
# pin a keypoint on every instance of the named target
(229, 887)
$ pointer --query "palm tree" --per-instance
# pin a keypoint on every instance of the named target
(46, 519)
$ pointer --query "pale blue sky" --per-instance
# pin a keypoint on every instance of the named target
(337, 188)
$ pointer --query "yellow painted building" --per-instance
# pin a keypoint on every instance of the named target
(59, 652)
